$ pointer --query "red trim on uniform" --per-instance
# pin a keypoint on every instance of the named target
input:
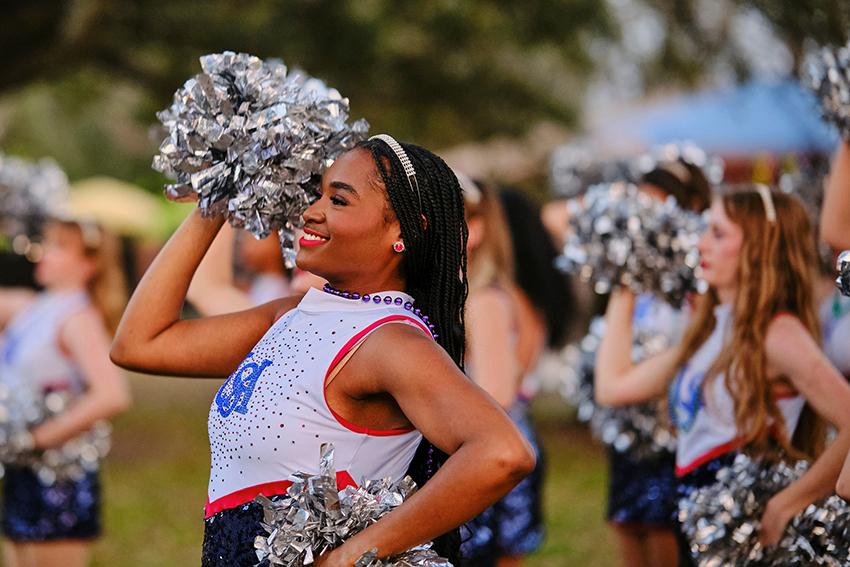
(726, 447)
(245, 495)
(341, 354)
(788, 394)
(779, 314)
(709, 456)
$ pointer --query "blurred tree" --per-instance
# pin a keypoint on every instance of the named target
(81, 79)
(700, 34)
(439, 71)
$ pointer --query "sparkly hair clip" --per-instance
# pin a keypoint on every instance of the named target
(767, 200)
(405, 163)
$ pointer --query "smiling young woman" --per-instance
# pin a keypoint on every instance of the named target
(371, 364)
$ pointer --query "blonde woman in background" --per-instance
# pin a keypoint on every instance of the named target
(505, 337)
(749, 375)
(59, 339)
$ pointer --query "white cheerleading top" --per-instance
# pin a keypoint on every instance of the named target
(30, 355)
(705, 420)
(270, 418)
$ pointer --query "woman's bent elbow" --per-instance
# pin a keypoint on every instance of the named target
(518, 461)
(604, 397)
(118, 353)
(125, 356)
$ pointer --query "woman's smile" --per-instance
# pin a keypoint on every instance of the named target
(312, 238)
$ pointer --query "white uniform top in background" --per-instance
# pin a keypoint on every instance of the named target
(270, 418)
(835, 326)
(268, 287)
(30, 355)
(705, 417)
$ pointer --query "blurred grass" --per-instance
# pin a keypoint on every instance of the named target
(155, 482)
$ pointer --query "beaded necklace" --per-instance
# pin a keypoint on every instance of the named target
(386, 299)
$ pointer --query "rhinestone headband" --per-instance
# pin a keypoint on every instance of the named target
(767, 200)
(405, 163)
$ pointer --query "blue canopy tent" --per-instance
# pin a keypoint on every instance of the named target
(745, 120)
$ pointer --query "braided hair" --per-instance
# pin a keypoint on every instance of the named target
(434, 269)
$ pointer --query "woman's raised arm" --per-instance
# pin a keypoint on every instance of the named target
(835, 213)
(617, 381)
(152, 337)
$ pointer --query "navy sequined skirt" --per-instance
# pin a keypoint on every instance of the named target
(33, 511)
(513, 526)
(229, 537)
(642, 491)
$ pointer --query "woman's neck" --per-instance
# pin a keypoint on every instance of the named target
(66, 288)
(368, 287)
(727, 295)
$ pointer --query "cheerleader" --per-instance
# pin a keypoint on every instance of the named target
(58, 339)
(641, 490)
(372, 363)
(505, 335)
(749, 370)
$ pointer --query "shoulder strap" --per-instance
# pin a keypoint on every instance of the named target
(359, 342)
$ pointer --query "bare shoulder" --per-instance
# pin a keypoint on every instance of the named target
(490, 303)
(83, 329)
(13, 300)
(83, 321)
(413, 352)
(783, 327)
(490, 296)
(788, 338)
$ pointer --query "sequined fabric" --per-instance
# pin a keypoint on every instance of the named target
(642, 491)
(229, 537)
(685, 485)
(34, 511)
(514, 525)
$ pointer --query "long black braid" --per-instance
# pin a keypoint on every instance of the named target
(434, 269)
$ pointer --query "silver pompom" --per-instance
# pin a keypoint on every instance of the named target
(713, 167)
(74, 458)
(622, 237)
(635, 430)
(18, 408)
(843, 267)
(722, 520)
(827, 73)
(574, 167)
(22, 410)
(30, 193)
(251, 139)
(315, 516)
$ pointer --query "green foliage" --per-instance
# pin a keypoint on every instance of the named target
(81, 80)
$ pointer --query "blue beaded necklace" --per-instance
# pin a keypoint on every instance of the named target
(386, 299)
